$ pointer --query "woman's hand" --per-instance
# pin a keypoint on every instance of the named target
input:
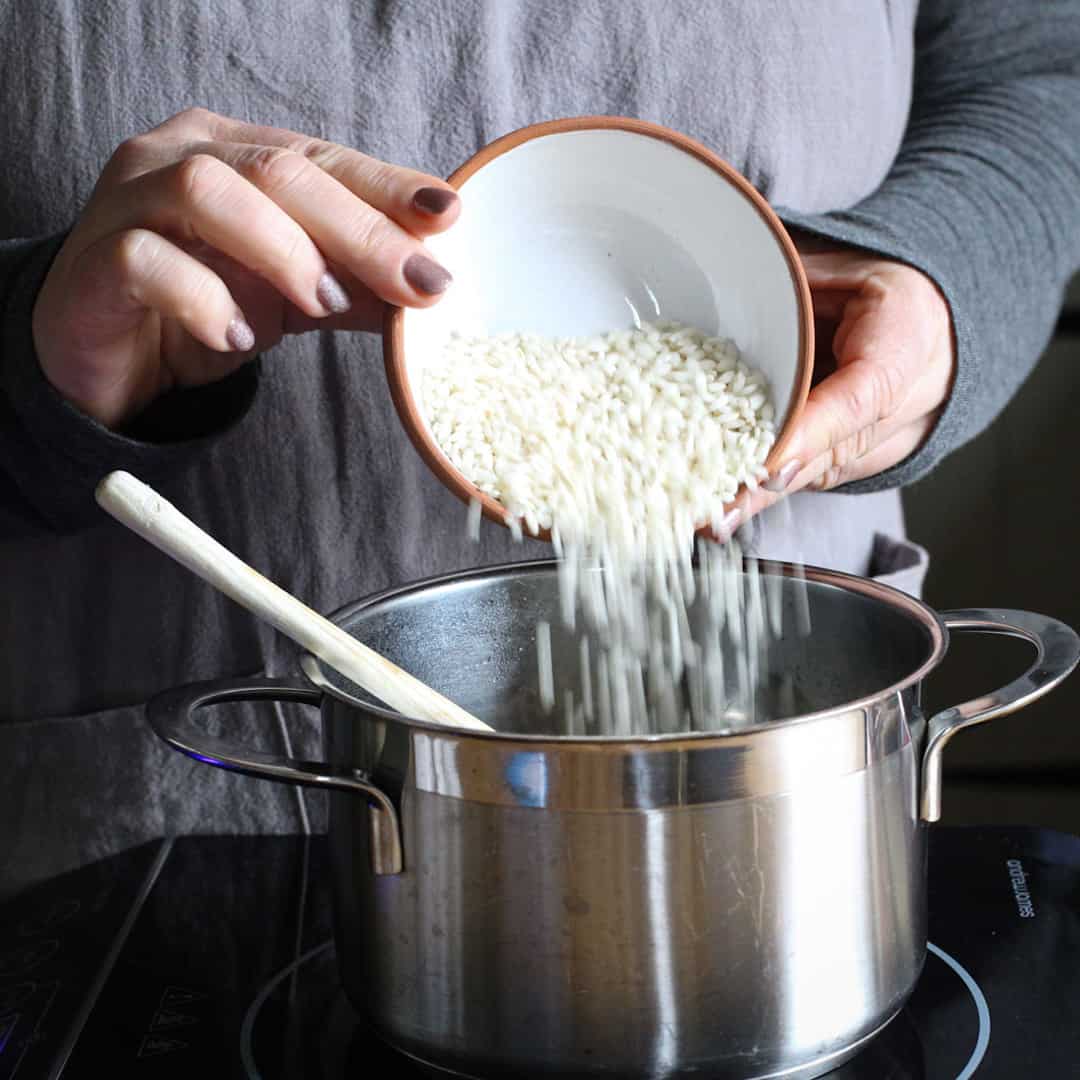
(885, 361)
(207, 239)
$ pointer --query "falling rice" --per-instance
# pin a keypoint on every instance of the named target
(546, 676)
(620, 446)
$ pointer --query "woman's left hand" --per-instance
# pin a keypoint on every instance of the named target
(885, 360)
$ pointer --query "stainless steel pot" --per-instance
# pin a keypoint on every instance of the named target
(740, 905)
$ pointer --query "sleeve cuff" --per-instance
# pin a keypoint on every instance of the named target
(54, 454)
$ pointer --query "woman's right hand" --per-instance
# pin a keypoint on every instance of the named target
(207, 239)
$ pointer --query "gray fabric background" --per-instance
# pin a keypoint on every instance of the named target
(315, 484)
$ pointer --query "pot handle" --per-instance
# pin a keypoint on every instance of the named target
(171, 716)
(1057, 652)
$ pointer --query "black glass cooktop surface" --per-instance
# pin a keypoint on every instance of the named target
(207, 957)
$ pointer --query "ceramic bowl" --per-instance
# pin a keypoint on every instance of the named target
(588, 225)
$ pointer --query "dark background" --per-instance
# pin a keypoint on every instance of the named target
(1001, 518)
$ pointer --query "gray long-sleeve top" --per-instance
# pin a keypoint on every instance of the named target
(950, 141)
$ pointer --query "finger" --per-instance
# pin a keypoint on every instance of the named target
(835, 278)
(893, 305)
(883, 358)
(376, 250)
(202, 200)
(127, 273)
(420, 203)
(159, 146)
(846, 269)
(854, 458)
(367, 313)
(832, 470)
(847, 405)
(271, 316)
(829, 303)
(117, 281)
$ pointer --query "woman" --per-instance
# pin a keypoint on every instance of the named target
(930, 161)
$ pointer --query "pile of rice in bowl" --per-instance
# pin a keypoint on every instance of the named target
(622, 445)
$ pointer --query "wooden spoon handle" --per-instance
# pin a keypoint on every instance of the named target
(145, 512)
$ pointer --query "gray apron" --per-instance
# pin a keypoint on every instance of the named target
(317, 486)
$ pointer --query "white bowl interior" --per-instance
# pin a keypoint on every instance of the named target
(582, 232)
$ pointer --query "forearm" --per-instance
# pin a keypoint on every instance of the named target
(51, 455)
(984, 198)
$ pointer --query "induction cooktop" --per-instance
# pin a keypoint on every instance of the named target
(205, 957)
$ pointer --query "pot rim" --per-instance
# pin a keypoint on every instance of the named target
(921, 612)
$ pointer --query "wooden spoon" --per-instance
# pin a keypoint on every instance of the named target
(145, 512)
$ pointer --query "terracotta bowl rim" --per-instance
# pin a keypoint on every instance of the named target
(394, 320)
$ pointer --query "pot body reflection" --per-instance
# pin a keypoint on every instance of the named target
(740, 937)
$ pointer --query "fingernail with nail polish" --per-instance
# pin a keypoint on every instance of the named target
(332, 295)
(239, 335)
(780, 480)
(434, 200)
(426, 275)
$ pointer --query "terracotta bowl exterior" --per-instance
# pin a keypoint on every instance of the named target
(582, 225)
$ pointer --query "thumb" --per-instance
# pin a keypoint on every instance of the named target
(876, 347)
